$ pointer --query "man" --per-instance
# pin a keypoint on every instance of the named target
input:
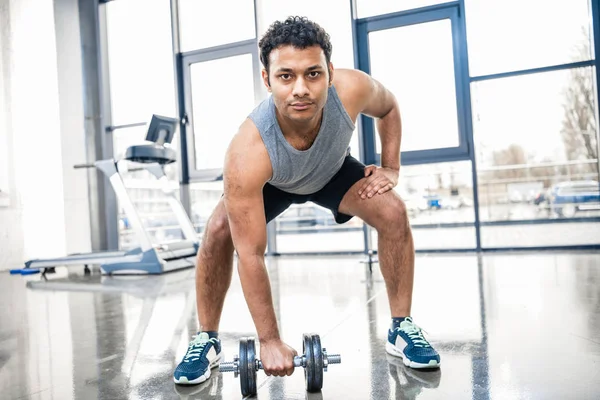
(293, 148)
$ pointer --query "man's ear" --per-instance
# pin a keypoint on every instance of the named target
(266, 80)
(331, 73)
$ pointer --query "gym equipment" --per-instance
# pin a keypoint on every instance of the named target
(24, 271)
(314, 361)
(146, 258)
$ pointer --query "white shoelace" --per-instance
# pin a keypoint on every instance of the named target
(414, 332)
(196, 347)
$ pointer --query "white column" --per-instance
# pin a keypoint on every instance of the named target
(72, 125)
(41, 132)
(11, 235)
(35, 117)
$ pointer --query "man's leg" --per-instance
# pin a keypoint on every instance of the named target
(387, 214)
(215, 257)
(213, 277)
(214, 269)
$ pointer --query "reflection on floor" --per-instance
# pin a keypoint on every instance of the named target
(507, 327)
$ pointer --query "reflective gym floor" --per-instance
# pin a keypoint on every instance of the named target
(507, 326)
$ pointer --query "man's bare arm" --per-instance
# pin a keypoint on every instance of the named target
(363, 94)
(247, 169)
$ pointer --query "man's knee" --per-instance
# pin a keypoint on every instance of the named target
(393, 216)
(217, 230)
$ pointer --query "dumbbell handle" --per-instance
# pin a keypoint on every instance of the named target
(299, 361)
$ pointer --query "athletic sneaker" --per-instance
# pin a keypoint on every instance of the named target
(203, 353)
(407, 341)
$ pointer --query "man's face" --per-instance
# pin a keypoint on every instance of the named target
(299, 79)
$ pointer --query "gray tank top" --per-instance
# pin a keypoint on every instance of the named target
(305, 171)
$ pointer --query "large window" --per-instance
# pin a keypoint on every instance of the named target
(220, 88)
(140, 58)
(532, 133)
(420, 59)
(523, 85)
(213, 23)
(510, 35)
(537, 156)
(216, 115)
(422, 79)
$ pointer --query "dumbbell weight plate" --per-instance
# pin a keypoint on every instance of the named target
(309, 368)
(317, 383)
(313, 372)
(247, 366)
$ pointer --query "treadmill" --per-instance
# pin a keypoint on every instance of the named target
(146, 258)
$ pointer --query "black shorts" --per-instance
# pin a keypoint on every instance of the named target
(330, 196)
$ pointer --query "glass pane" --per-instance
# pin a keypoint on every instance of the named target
(510, 35)
(369, 8)
(437, 194)
(537, 154)
(216, 114)
(206, 24)
(531, 234)
(308, 227)
(204, 198)
(422, 81)
(140, 58)
(333, 15)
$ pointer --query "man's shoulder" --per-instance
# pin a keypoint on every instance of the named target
(261, 115)
(248, 137)
(247, 152)
(351, 85)
(350, 80)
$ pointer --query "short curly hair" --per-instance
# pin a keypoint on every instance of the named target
(296, 31)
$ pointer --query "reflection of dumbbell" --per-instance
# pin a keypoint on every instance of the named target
(314, 360)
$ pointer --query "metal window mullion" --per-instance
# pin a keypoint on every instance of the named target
(530, 71)
(411, 12)
(468, 117)
(596, 44)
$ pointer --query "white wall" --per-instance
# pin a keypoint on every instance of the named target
(41, 132)
(11, 236)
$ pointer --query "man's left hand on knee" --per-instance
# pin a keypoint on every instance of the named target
(379, 180)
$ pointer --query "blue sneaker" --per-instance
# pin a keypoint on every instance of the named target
(407, 341)
(202, 354)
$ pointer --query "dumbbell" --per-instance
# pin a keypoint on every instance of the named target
(314, 361)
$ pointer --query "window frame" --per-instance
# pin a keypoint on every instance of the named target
(443, 11)
(187, 59)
